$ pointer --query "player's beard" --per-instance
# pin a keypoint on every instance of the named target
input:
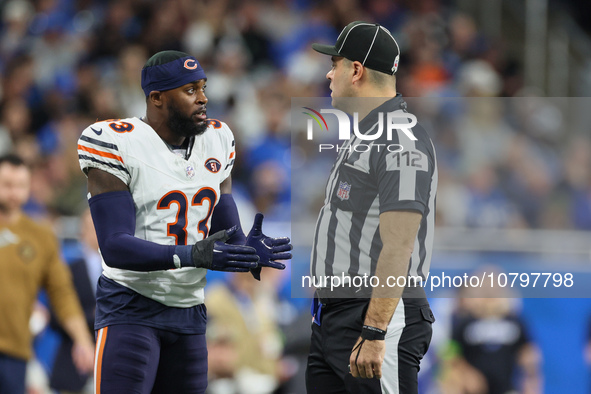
(183, 125)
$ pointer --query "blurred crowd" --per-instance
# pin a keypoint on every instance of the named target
(510, 163)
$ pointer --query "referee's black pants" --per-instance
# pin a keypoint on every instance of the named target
(407, 340)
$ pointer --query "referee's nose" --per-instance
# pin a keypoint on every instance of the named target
(330, 74)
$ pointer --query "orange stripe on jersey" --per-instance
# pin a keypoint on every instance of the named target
(98, 360)
(100, 153)
(231, 155)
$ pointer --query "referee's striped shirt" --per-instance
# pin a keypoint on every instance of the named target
(364, 184)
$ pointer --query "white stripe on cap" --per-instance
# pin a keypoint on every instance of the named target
(395, 65)
(340, 34)
(392, 37)
(360, 24)
(371, 46)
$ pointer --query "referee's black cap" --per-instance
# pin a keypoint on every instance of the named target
(369, 43)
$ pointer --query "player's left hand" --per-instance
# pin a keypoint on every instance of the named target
(366, 361)
(269, 249)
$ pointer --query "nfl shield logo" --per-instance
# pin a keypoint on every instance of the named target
(190, 172)
(343, 191)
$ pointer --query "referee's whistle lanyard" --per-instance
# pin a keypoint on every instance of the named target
(358, 348)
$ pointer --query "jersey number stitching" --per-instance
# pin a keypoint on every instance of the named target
(119, 126)
(216, 124)
(178, 229)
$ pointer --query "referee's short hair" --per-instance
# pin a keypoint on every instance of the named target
(377, 78)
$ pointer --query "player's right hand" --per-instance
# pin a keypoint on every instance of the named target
(215, 254)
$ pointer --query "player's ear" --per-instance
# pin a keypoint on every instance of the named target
(155, 98)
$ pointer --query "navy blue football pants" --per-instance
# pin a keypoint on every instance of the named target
(134, 359)
(12, 375)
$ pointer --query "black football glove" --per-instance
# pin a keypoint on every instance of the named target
(213, 253)
(268, 249)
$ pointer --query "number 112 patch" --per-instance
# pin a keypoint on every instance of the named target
(413, 159)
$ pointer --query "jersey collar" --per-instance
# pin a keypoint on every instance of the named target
(395, 103)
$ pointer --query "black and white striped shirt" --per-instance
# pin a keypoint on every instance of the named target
(366, 182)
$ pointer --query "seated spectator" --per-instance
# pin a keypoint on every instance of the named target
(490, 345)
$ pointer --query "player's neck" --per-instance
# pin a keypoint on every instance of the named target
(162, 129)
(171, 138)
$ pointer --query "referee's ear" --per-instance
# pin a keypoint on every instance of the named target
(358, 72)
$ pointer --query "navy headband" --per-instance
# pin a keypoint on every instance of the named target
(171, 75)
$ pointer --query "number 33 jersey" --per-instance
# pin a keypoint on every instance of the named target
(174, 197)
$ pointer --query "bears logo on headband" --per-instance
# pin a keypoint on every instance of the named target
(170, 69)
(193, 67)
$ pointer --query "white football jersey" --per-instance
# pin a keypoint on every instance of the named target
(174, 198)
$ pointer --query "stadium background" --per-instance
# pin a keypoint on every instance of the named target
(64, 64)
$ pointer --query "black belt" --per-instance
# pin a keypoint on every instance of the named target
(327, 296)
(338, 295)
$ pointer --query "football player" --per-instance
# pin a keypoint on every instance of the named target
(160, 196)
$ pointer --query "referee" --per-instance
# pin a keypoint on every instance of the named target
(377, 220)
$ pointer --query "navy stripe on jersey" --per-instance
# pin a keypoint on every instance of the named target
(99, 142)
(116, 166)
(229, 164)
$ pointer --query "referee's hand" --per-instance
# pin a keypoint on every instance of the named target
(366, 361)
